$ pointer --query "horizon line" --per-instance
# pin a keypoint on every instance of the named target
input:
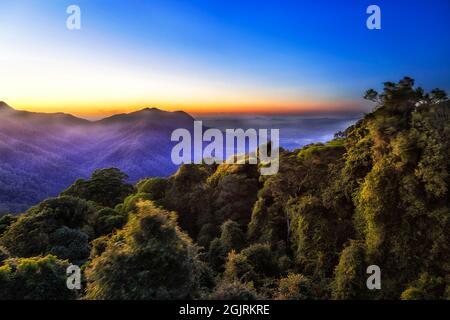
(262, 111)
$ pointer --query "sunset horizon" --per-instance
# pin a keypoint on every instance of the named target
(264, 58)
(103, 112)
(220, 159)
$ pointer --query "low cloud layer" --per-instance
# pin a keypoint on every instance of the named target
(295, 130)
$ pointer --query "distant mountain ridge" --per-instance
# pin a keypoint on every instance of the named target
(43, 153)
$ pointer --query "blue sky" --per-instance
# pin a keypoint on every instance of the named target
(209, 55)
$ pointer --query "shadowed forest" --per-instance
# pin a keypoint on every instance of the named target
(377, 194)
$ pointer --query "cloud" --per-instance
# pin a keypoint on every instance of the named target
(295, 130)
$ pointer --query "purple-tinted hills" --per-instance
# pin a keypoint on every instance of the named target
(42, 154)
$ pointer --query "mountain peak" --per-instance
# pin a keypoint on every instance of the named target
(149, 115)
(145, 110)
(4, 106)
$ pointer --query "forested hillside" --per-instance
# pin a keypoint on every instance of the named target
(375, 195)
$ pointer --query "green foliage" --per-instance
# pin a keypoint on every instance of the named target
(3, 255)
(256, 265)
(321, 151)
(58, 225)
(350, 273)
(37, 278)
(427, 288)
(262, 259)
(238, 268)
(217, 255)
(6, 221)
(207, 234)
(231, 238)
(401, 197)
(98, 246)
(107, 220)
(233, 291)
(106, 187)
(412, 294)
(227, 186)
(154, 187)
(313, 236)
(270, 221)
(376, 194)
(294, 287)
(130, 203)
(69, 244)
(157, 260)
(187, 196)
(210, 195)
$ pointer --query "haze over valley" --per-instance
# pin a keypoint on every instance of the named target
(41, 154)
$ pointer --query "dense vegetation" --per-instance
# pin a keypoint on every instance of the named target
(375, 195)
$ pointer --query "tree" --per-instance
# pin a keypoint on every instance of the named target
(401, 197)
(314, 236)
(227, 185)
(217, 255)
(208, 233)
(270, 221)
(36, 278)
(233, 291)
(231, 238)
(187, 196)
(69, 244)
(350, 281)
(154, 187)
(256, 265)
(130, 203)
(149, 259)
(377, 194)
(57, 225)
(426, 287)
(6, 221)
(294, 287)
(438, 96)
(106, 220)
(106, 187)
(3, 255)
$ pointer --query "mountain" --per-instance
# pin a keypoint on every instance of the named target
(364, 216)
(43, 153)
(4, 106)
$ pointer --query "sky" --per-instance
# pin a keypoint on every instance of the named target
(216, 56)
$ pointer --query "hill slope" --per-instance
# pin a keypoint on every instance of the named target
(41, 154)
